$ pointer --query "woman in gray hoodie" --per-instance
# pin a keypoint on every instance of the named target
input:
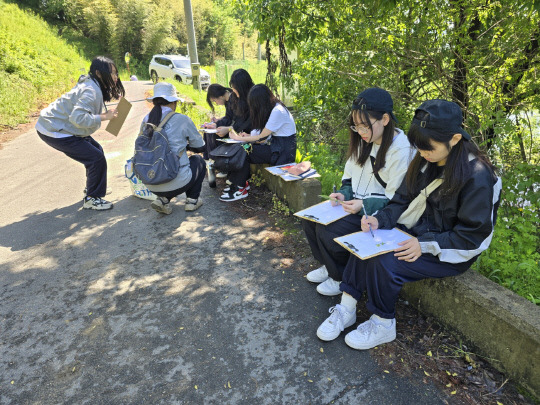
(68, 123)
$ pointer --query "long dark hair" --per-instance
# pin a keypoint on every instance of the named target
(457, 169)
(359, 150)
(215, 91)
(155, 115)
(261, 102)
(108, 87)
(241, 81)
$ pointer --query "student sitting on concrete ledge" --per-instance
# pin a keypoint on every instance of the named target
(273, 139)
(448, 202)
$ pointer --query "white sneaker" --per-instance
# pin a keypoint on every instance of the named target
(192, 204)
(330, 287)
(370, 334)
(99, 204)
(221, 175)
(339, 319)
(318, 275)
(162, 205)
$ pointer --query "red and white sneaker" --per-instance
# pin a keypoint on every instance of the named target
(228, 188)
(234, 193)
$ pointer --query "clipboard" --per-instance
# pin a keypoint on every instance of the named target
(116, 123)
(364, 246)
(323, 213)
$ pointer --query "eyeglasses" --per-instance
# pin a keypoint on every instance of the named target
(362, 129)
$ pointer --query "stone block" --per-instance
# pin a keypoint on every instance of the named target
(498, 323)
(298, 194)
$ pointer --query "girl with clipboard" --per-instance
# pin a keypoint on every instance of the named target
(379, 154)
(448, 202)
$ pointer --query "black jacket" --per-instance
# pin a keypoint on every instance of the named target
(455, 229)
(238, 122)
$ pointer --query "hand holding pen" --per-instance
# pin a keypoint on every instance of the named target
(367, 220)
(335, 198)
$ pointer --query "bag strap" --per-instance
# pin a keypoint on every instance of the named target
(416, 208)
(164, 120)
(382, 183)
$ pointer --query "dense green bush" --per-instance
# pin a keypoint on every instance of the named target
(513, 257)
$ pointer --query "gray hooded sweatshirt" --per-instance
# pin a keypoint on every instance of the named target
(75, 113)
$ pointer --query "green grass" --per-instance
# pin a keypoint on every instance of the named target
(36, 66)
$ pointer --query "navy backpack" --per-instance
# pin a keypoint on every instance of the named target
(154, 162)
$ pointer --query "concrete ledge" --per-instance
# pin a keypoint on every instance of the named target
(298, 194)
(500, 324)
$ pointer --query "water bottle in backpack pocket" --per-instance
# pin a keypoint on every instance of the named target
(154, 162)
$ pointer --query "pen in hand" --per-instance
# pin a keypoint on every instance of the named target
(365, 213)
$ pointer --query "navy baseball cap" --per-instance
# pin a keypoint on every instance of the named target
(441, 116)
(375, 99)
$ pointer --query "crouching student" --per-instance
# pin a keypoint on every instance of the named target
(68, 123)
(183, 136)
(379, 154)
(273, 139)
(448, 203)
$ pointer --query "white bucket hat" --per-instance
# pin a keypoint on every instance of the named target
(164, 90)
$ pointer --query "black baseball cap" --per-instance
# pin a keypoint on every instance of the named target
(440, 116)
(375, 99)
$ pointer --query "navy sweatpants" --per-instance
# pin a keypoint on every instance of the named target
(383, 276)
(325, 250)
(89, 152)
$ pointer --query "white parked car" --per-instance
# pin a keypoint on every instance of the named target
(177, 67)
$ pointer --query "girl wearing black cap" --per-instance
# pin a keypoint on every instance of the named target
(447, 202)
(379, 154)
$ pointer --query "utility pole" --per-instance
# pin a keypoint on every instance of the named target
(192, 45)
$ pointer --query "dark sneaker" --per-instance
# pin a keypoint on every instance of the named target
(162, 205)
(246, 187)
(99, 204)
(234, 193)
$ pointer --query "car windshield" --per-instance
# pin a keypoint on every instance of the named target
(181, 63)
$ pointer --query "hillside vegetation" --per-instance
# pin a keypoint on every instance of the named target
(36, 64)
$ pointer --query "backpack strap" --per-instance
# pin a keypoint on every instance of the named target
(164, 120)
(162, 124)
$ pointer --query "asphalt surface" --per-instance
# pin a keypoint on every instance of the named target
(128, 306)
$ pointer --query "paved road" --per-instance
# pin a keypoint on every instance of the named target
(131, 307)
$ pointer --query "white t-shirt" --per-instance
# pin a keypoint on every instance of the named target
(280, 122)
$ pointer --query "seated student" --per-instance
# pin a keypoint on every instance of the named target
(237, 117)
(273, 139)
(379, 154)
(236, 113)
(183, 136)
(217, 94)
(448, 203)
